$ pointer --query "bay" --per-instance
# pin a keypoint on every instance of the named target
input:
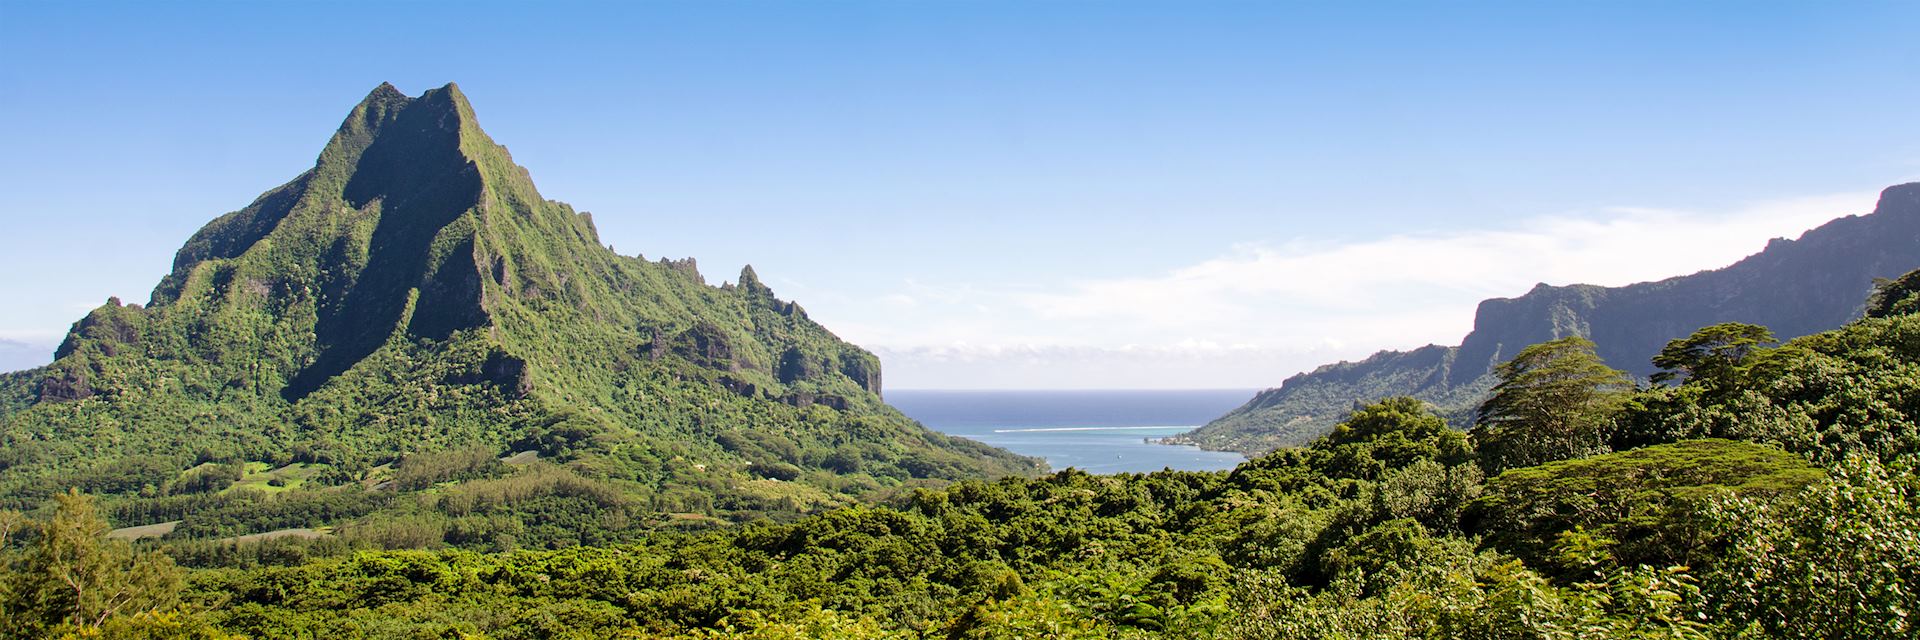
(1099, 432)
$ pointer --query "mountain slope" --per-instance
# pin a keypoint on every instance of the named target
(1794, 287)
(414, 294)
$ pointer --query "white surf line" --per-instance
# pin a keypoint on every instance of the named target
(1046, 429)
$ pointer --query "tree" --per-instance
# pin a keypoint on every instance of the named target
(1635, 505)
(1895, 297)
(1389, 434)
(73, 577)
(1712, 354)
(1554, 401)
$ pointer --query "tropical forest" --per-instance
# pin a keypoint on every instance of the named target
(404, 394)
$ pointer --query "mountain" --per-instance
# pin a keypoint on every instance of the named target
(1794, 287)
(410, 310)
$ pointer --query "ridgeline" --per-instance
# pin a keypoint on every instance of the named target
(411, 311)
(403, 396)
(1793, 287)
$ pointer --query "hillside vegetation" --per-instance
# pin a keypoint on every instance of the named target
(408, 342)
(403, 396)
(1793, 287)
(1761, 490)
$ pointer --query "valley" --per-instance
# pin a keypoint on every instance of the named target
(407, 394)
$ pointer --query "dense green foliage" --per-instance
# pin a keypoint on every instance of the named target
(509, 469)
(70, 579)
(1852, 391)
(1895, 297)
(1637, 504)
(1717, 524)
(1371, 532)
(1841, 561)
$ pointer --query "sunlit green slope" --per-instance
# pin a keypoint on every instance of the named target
(414, 294)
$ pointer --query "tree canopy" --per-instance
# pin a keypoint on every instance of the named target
(1554, 401)
(1775, 498)
(73, 578)
(1895, 297)
(1710, 354)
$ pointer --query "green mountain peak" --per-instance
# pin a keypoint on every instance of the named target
(413, 291)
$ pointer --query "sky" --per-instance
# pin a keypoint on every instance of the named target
(1002, 195)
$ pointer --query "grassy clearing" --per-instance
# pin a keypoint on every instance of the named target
(260, 477)
(321, 532)
(143, 531)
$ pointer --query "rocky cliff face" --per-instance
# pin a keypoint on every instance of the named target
(1794, 287)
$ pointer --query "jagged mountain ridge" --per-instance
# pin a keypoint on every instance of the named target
(1794, 287)
(416, 245)
(413, 291)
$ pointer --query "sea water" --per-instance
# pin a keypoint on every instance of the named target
(1094, 431)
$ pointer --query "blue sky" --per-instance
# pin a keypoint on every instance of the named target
(1005, 195)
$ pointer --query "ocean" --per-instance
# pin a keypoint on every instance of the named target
(1095, 431)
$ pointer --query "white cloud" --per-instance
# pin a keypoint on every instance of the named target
(25, 350)
(1030, 366)
(1263, 311)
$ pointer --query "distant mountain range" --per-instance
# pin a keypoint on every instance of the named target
(413, 295)
(1794, 287)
